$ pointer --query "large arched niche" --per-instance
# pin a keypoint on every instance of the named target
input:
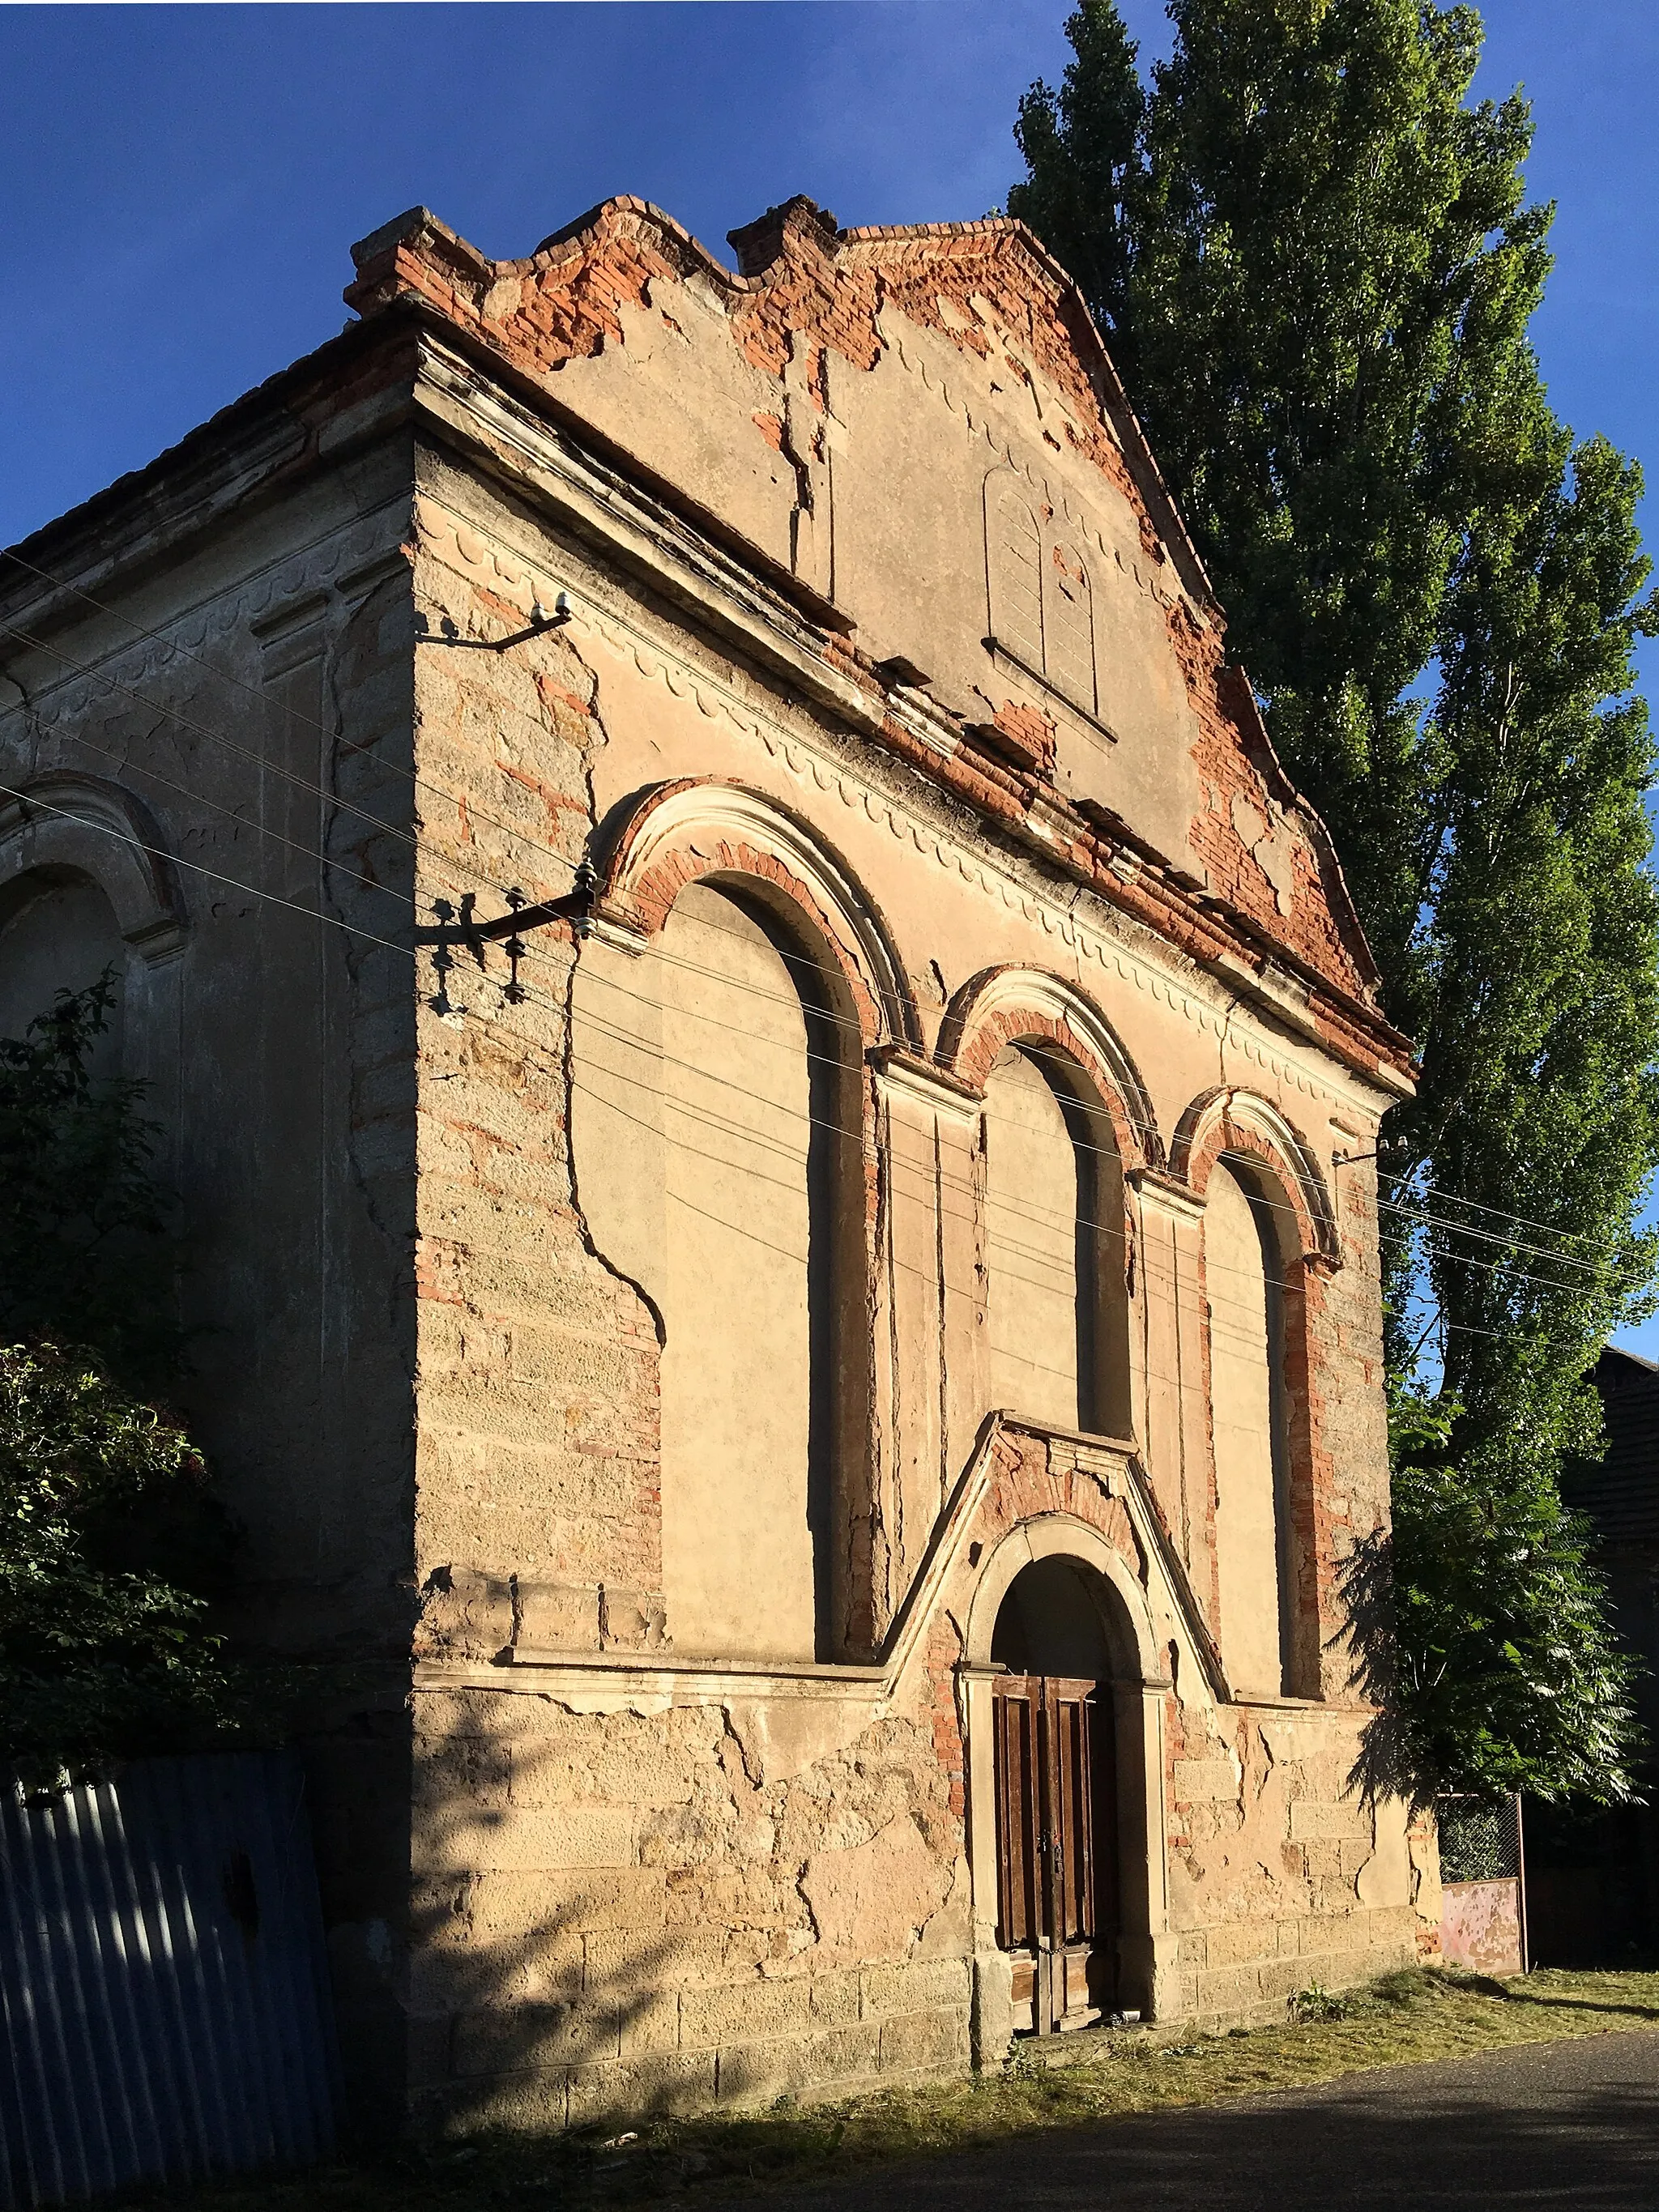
(999, 1006)
(58, 932)
(1246, 1127)
(1056, 1281)
(1066, 1115)
(762, 1251)
(723, 1004)
(1269, 1235)
(85, 888)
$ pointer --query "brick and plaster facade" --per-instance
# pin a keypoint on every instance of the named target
(920, 1135)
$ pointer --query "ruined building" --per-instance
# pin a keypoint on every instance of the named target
(775, 1094)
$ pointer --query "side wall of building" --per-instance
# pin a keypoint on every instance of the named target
(211, 752)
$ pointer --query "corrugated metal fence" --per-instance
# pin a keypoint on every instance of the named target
(163, 1987)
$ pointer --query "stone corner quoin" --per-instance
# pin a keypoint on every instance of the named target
(775, 1093)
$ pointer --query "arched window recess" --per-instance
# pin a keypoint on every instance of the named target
(70, 826)
(1269, 1233)
(1248, 1129)
(1064, 1113)
(736, 978)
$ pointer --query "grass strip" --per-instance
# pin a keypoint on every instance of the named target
(1413, 2017)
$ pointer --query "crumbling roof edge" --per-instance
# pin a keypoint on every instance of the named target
(134, 484)
(404, 229)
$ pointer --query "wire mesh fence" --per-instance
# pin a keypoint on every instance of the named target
(1480, 1838)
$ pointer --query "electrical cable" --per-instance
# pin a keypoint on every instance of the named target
(461, 865)
(388, 944)
(234, 883)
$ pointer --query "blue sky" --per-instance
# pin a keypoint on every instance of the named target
(181, 184)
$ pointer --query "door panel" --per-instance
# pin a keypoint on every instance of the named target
(1057, 1845)
(1019, 1912)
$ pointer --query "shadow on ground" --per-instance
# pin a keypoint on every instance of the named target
(1544, 2124)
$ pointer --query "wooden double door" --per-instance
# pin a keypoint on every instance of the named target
(1057, 1872)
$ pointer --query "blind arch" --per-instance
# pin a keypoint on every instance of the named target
(1068, 624)
(1055, 1295)
(754, 1281)
(1013, 546)
(1255, 1529)
(58, 931)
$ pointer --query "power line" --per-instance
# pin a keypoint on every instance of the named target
(460, 863)
(259, 828)
(234, 883)
(1455, 1198)
(315, 914)
(1145, 1131)
(699, 1014)
(356, 930)
(837, 1128)
(1489, 1237)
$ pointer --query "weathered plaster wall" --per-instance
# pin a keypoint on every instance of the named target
(844, 376)
(732, 1975)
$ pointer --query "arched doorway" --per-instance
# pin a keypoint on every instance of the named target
(1056, 1754)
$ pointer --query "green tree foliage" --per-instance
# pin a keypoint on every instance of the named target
(1312, 255)
(85, 1255)
(111, 1545)
(1505, 1671)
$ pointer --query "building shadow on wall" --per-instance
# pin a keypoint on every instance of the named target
(1383, 1766)
(517, 1995)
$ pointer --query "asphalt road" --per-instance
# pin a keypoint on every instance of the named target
(1555, 2123)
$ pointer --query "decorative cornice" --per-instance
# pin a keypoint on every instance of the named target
(781, 639)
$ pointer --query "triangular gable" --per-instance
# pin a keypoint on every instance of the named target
(923, 428)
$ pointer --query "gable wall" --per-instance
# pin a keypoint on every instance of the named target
(620, 1870)
(843, 409)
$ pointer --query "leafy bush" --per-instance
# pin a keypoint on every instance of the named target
(110, 1544)
(1511, 1675)
(85, 1253)
(1317, 2003)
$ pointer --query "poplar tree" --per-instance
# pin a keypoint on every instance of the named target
(1311, 254)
